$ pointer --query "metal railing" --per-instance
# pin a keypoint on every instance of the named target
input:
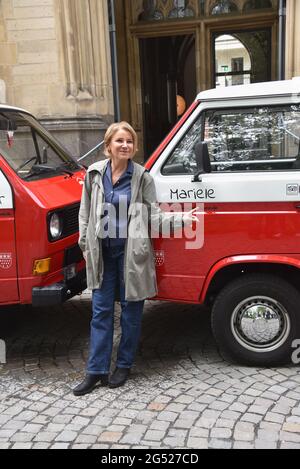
(91, 152)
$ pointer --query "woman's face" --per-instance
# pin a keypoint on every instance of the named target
(121, 146)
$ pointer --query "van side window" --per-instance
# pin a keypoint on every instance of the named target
(256, 139)
(183, 159)
(261, 139)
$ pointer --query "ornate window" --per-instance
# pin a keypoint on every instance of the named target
(223, 6)
(181, 9)
(150, 11)
(157, 10)
(164, 10)
(257, 5)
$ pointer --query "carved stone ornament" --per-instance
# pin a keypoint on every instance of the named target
(83, 33)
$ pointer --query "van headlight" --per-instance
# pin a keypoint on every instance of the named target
(55, 226)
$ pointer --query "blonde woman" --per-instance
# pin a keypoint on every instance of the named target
(117, 256)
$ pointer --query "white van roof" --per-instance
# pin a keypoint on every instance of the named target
(255, 90)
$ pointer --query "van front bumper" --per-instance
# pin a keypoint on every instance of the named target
(58, 293)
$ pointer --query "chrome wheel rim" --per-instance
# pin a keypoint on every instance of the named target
(260, 324)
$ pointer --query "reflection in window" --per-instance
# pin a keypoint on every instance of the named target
(263, 139)
(183, 158)
(233, 62)
(260, 139)
(224, 6)
(257, 5)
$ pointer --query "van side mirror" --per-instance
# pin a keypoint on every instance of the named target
(202, 160)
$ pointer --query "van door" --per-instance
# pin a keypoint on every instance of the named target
(8, 263)
(250, 202)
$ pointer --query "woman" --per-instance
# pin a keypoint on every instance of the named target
(118, 253)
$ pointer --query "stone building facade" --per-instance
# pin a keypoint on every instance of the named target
(55, 62)
(293, 39)
(55, 56)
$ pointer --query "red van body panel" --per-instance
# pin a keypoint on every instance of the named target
(237, 229)
(25, 237)
(261, 233)
(25, 234)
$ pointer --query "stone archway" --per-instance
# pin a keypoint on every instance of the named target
(139, 20)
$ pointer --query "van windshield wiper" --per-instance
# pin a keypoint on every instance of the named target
(69, 167)
(38, 169)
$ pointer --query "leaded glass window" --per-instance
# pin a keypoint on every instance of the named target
(154, 10)
(257, 5)
(150, 11)
(181, 10)
(164, 10)
(223, 6)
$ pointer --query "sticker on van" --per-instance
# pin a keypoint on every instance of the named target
(5, 261)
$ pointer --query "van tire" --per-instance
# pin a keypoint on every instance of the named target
(267, 340)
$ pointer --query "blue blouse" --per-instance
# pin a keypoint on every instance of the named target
(117, 201)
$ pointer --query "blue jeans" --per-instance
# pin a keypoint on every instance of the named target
(102, 324)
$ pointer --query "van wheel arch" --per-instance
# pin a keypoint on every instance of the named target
(255, 320)
(226, 275)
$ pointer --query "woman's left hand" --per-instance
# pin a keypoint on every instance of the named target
(189, 217)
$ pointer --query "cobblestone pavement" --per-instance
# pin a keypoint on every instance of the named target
(182, 394)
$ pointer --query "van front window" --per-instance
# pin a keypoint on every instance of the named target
(30, 150)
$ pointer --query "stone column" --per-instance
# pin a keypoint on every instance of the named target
(293, 39)
(85, 90)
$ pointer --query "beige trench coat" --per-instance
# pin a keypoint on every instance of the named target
(139, 264)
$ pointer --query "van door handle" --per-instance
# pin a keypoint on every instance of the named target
(297, 207)
(213, 208)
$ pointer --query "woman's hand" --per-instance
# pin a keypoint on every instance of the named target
(189, 217)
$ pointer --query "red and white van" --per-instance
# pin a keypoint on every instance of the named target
(40, 191)
(236, 155)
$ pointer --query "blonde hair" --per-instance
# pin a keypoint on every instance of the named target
(113, 129)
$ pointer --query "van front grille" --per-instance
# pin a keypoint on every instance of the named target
(70, 220)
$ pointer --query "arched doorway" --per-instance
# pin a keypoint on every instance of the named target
(168, 48)
(168, 70)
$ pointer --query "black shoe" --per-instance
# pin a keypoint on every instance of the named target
(119, 377)
(89, 384)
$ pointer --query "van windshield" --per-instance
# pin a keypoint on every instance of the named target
(30, 150)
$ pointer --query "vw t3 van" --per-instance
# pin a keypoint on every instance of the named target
(235, 155)
(40, 190)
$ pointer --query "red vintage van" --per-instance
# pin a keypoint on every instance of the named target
(40, 190)
(235, 155)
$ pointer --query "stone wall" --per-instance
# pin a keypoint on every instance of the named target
(55, 62)
(293, 39)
